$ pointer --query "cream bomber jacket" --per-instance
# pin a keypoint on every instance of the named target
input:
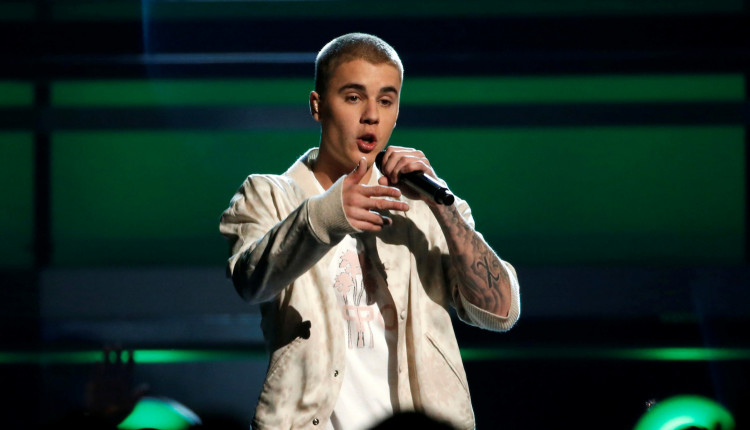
(282, 230)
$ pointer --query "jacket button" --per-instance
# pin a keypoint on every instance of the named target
(335, 373)
(403, 315)
(315, 421)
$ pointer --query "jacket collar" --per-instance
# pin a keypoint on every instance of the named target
(302, 174)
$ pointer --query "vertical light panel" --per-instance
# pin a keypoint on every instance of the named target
(16, 94)
(673, 195)
(155, 197)
(17, 204)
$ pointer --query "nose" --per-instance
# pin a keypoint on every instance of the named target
(370, 114)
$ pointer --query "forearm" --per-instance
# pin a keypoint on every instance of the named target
(289, 249)
(268, 253)
(484, 281)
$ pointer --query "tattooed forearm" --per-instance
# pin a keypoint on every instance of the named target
(484, 280)
(491, 278)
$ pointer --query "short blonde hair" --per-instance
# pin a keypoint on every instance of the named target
(352, 46)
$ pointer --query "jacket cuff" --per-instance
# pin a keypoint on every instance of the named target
(325, 214)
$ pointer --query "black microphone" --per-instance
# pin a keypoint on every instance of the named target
(424, 184)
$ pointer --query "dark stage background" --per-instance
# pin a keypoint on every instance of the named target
(602, 146)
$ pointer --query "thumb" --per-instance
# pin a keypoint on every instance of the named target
(359, 172)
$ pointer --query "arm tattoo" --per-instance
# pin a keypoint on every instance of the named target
(484, 280)
(491, 279)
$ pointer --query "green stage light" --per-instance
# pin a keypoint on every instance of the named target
(470, 90)
(159, 413)
(686, 411)
(258, 352)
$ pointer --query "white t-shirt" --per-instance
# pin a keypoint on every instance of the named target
(371, 331)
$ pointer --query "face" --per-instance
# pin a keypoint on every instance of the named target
(357, 114)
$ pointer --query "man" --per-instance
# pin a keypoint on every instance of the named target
(354, 271)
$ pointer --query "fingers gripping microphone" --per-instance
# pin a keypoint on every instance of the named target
(424, 184)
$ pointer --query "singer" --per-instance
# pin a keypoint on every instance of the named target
(355, 271)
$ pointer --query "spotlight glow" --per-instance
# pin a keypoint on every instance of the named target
(159, 413)
(683, 411)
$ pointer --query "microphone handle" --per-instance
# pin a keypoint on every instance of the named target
(421, 183)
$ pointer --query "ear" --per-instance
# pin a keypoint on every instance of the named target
(315, 105)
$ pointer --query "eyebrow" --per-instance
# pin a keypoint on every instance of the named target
(360, 87)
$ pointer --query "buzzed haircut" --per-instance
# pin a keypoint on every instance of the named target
(352, 46)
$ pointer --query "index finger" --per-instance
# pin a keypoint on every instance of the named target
(359, 172)
(380, 191)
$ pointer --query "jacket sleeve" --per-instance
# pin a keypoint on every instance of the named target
(471, 313)
(274, 238)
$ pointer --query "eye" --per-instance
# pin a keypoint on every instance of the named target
(352, 98)
(386, 102)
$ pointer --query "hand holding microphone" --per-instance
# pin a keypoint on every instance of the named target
(421, 183)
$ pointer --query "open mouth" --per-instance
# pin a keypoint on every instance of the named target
(367, 142)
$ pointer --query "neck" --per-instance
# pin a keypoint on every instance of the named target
(326, 173)
(326, 180)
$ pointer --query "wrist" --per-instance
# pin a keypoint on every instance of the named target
(326, 215)
(444, 213)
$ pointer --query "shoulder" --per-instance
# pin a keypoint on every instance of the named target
(281, 182)
(264, 185)
(264, 194)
